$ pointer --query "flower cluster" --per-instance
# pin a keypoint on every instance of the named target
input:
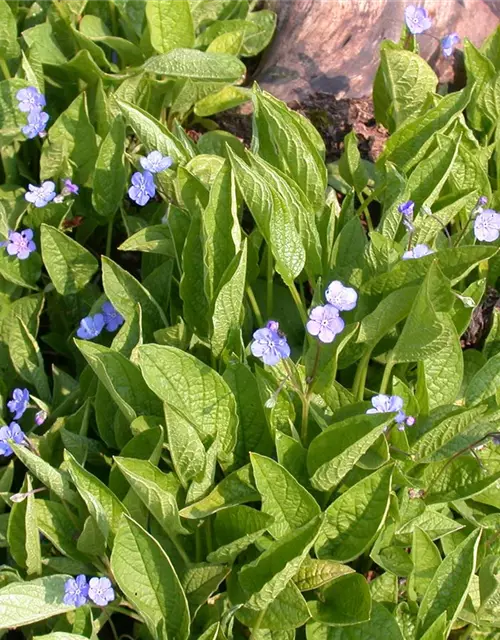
(417, 21)
(19, 244)
(143, 185)
(78, 592)
(12, 432)
(270, 345)
(325, 321)
(91, 326)
(31, 101)
(46, 192)
(392, 404)
(17, 405)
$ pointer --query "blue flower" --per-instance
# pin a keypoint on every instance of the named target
(418, 251)
(487, 225)
(40, 417)
(36, 124)
(19, 402)
(325, 323)
(143, 187)
(270, 344)
(112, 319)
(69, 187)
(90, 327)
(406, 209)
(342, 298)
(154, 162)
(20, 244)
(76, 591)
(388, 404)
(417, 19)
(448, 44)
(12, 432)
(30, 99)
(41, 196)
(101, 591)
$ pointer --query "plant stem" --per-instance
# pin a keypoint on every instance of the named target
(358, 387)
(113, 628)
(258, 622)
(270, 271)
(367, 213)
(5, 69)
(306, 402)
(316, 362)
(387, 375)
(298, 303)
(109, 237)
(255, 306)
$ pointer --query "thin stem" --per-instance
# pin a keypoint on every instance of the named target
(114, 22)
(270, 271)
(198, 545)
(298, 303)
(258, 622)
(113, 628)
(255, 306)
(316, 362)
(306, 403)
(177, 259)
(109, 237)
(5, 69)
(358, 387)
(373, 195)
(387, 375)
(367, 213)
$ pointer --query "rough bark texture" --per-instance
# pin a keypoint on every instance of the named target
(331, 46)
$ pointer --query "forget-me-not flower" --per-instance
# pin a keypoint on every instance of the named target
(19, 402)
(112, 319)
(20, 244)
(418, 251)
(487, 225)
(29, 99)
(406, 209)
(70, 187)
(342, 298)
(325, 323)
(143, 187)
(448, 44)
(417, 19)
(76, 591)
(12, 432)
(269, 344)
(90, 327)
(154, 162)
(101, 591)
(388, 404)
(40, 417)
(37, 121)
(41, 196)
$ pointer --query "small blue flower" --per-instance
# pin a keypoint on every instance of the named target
(19, 402)
(36, 124)
(155, 162)
(90, 327)
(30, 99)
(417, 19)
(40, 417)
(101, 591)
(20, 244)
(406, 209)
(418, 251)
(325, 323)
(342, 298)
(482, 201)
(41, 196)
(448, 44)
(69, 187)
(270, 344)
(12, 432)
(143, 187)
(76, 591)
(112, 319)
(487, 225)
(388, 404)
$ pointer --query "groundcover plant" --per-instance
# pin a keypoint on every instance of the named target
(232, 407)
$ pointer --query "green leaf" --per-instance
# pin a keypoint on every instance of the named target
(199, 581)
(353, 520)
(480, 70)
(336, 451)
(9, 47)
(484, 383)
(170, 24)
(198, 391)
(70, 266)
(345, 602)
(24, 603)
(152, 133)
(316, 573)
(350, 166)
(288, 611)
(236, 488)
(101, 502)
(24, 273)
(146, 576)
(152, 239)
(186, 448)
(435, 524)
(283, 497)
(426, 561)
(265, 578)
(33, 549)
(197, 65)
(156, 489)
(346, 258)
(236, 529)
(110, 175)
(450, 584)
(382, 626)
(226, 98)
(55, 524)
(27, 357)
(391, 310)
